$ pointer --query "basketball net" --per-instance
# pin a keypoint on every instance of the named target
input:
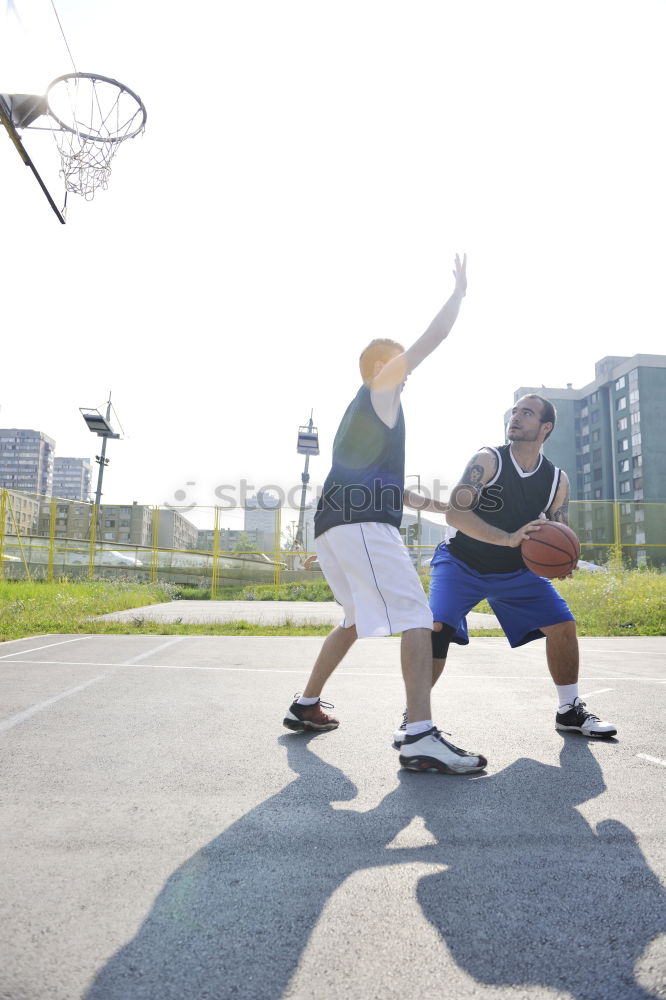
(95, 115)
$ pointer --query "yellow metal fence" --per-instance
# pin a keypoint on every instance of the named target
(43, 538)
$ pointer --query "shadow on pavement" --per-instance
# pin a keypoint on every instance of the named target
(532, 894)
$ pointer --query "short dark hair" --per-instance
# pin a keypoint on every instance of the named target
(548, 412)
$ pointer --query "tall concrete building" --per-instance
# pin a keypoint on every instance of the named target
(130, 524)
(21, 514)
(610, 441)
(72, 478)
(609, 435)
(175, 531)
(261, 517)
(26, 461)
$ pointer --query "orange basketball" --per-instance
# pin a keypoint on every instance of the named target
(552, 551)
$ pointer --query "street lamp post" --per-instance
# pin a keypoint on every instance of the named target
(100, 425)
(308, 444)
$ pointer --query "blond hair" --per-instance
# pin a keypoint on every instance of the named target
(377, 350)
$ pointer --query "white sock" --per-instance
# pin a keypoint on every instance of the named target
(306, 701)
(415, 728)
(567, 693)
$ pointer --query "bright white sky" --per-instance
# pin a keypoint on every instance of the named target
(308, 172)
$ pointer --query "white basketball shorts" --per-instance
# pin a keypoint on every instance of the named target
(371, 575)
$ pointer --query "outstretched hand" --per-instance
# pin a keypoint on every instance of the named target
(460, 274)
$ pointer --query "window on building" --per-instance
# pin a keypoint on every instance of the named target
(621, 403)
(596, 455)
(586, 479)
(596, 436)
(638, 495)
(639, 516)
(622, 424)
(109, 524)
(594, 419)
(597, 494)
(585, 449)
(620, 384)
(637, 461)
(594, 398)
(633, 396)
(586, 467)
(597, 474)
(638, 483)
(640, 538)
(623, 444)
(625, 508)
(625, 486)
(636, 417)
(635, 441)
(623, 465)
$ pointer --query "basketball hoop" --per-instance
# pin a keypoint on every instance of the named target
(94, 114)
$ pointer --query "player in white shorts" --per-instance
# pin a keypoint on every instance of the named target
(361, 552)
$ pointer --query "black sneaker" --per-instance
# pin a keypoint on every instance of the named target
(431, 752)
(577, 719)
(400, 733)
(302, 717)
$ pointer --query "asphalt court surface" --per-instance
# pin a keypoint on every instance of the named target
(162, 836)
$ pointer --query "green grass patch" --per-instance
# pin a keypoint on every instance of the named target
(38, 608)
(616, 602)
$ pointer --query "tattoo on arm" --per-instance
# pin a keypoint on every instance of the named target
(561, 513)
(467, 494)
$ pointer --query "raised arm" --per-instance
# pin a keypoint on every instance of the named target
(397, 370)
(465, 499)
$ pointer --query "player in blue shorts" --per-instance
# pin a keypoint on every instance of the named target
(498, 502)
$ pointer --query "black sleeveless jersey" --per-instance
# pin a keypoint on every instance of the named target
(367, 477)
(509, 500)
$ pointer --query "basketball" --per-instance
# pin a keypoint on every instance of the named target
(552, 551)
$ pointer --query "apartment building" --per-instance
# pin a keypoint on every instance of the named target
(72, 478)
(26, 461)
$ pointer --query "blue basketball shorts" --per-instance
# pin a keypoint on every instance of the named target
(522, 602)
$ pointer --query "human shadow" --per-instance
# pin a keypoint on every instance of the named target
(531, 893)
(234, 920)
(535, 896)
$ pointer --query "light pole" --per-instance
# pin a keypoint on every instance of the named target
(308, 444)
(100, 425)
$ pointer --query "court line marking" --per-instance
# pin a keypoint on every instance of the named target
(599, 691)
(20, 652)
(18, 717)
(144, 656)
(15, 720)
(653, 760)
(339, 673)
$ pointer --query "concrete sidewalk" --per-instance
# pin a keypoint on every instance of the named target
(257, 612)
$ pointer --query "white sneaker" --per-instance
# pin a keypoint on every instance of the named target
(431, 752)
(578, 719)
(400, 733)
